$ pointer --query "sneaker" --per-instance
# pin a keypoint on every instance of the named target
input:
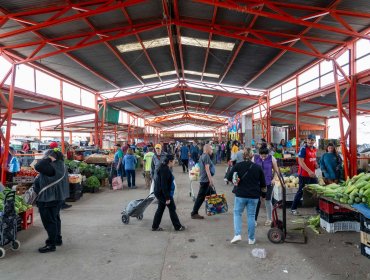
(133, 187)
(268, 223)
(182, 228)
(236, 239)
(294, 212)
(197, 217)
(251, 241)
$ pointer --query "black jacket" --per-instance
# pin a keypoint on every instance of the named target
(253, 184)
(163, 187)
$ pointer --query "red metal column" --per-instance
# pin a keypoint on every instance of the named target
(62, 116)
(268, 117)
(40, 131)
(341, 126)
(353, 112)
(8, 117)
(96, 123)
(297, 116)
(70, 138)
(115, 134)
(326, 129)
(102, 124)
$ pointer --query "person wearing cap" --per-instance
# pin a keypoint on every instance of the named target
(306, 172)
(158, 158)
(164, 191)
(53, 145)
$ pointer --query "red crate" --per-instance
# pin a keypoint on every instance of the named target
(331, 208)
(27, 218)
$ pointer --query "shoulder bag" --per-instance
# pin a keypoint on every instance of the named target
(30, 196)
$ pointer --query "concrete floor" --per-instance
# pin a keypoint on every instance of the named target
(98, 246)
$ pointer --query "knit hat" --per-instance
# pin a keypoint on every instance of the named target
(53, 145)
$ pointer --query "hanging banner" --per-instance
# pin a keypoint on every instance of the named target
(234, 127)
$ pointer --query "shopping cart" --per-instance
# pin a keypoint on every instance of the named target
(8, 224)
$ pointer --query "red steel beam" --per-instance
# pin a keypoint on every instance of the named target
(178, 34)
(209, 42)
(185, 88)
(169, 32)
(236, 52)
(67, 19)
(131, 31)
(116, 54)
(6, 139)
(279, 55)
(247, 39)
(69, 55)
(142, 44)
(285, 18)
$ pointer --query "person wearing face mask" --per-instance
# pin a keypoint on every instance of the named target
(268, 164)
(207, 170)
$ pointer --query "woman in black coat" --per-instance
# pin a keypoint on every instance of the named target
(52, 188)
(164, 188)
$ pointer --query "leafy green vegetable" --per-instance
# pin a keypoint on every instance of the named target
(92, 182)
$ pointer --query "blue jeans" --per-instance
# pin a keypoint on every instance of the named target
(250, 204)
(303, 180)
(130, 178)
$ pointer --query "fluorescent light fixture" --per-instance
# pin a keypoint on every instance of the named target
(33, 101)
(333, 110)
(164, 95)
(196, 42)
(205, 74)
(195, 101)
(175, 101)
(130, 47)
(198, 94)
(161, 74)
(285, 126)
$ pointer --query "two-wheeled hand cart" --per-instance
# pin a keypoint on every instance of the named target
(8, 225)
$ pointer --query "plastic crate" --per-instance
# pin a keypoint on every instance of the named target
(365, 238)
(365, 250)
(290, 193)
(331, 208)
(24, 179)
(340, 226)
(27, 218)
(340, 217)
(365, 224)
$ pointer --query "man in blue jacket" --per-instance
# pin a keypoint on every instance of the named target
(194, 150)
(184, 156)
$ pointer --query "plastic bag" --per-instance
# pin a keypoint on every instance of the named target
(117, 183)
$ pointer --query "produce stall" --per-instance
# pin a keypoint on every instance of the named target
(346, 207)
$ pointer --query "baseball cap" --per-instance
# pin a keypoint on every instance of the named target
(311, 136)
(158, 146)
(53, 145)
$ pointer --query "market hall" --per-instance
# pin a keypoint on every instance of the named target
(107, 81)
